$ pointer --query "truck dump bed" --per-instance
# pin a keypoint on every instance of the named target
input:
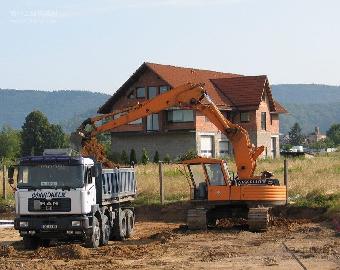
(117, 185)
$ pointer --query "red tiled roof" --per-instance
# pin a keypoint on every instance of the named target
(226, 89)
(177, 76)
(279, 108)
(242, 91)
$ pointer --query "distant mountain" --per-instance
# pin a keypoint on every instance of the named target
(61, 107)
(308, 104)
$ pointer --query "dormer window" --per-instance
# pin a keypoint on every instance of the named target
(131, 95)
(140, 92)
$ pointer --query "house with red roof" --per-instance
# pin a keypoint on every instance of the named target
(245, 100)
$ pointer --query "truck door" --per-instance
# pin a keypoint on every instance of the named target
(90, 197)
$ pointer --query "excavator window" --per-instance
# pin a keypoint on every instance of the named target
(197, 173)
(198, 177)
(216, 177)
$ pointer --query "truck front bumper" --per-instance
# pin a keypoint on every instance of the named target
(53, 226)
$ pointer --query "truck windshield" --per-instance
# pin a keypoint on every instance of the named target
(51, 176)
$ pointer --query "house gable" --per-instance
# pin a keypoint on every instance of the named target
(173, 76)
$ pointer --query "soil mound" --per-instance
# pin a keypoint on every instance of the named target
(129, 251)
(70, 252)
(92, 148)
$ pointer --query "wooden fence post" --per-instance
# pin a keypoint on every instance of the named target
(285, 177)
(4, 193)
(161, 184)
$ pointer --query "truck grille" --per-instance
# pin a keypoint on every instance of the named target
(53, 205)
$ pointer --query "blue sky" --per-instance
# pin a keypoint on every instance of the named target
(97, 45)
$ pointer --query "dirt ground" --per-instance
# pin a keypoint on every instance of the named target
(288, 244)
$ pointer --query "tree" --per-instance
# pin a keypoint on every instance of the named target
(156, 157)
(10, 143)
(334, 133)
(38, 134)
(124, 157)
(323, 144)
(133, 157)
(167, 158)
(295, 135)
(145, 157)
(55, 137)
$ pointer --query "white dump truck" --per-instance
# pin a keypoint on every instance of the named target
(64, 197)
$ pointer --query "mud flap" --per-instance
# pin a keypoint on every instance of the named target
(197, 219)
(258, 219)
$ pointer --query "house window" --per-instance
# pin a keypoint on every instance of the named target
(244, 117)
(163, 89)
(263, 121)
(152, 92)
(152, 123)
(224, 148)
(131, 95)
(178, 116)
(140, 92)
(207, 146)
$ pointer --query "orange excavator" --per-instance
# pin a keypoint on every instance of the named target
(215, 192)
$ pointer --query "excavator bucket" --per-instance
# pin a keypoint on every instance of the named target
(76, 141)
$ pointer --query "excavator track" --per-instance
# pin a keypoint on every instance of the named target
(197, 219)
(258, 219)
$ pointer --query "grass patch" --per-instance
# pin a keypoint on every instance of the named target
(8, 204)
(305, 176)
(317, 199)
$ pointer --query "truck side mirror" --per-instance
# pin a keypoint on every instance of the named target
(11, 175)
(95, 170)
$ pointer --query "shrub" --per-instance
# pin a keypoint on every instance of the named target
(115, 157)
(133, 157)
(167, 159)
(190, 154)
(145, 157)
(124, 157)
(156, 157)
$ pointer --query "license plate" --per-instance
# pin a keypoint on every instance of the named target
(49, 226)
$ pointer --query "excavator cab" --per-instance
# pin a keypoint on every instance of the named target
(207, 176)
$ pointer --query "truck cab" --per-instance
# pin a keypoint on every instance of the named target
(64, 197)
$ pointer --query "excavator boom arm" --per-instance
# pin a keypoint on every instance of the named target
(187, 95)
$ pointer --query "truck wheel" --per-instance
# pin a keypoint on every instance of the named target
(93, 240)
(120, 226)
(31, 242)
(105, 235)
(45, 242)
(130, 224)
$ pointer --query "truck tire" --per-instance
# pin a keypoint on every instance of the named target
(31, 242)
(45, 242)
(93, 240)
(130, 224)
(120, 226)
(106, 230)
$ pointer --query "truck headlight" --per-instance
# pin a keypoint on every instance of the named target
(75, 223)
(23, 224)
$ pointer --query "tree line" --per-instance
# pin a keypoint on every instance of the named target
(36, 134)
(297, 137)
